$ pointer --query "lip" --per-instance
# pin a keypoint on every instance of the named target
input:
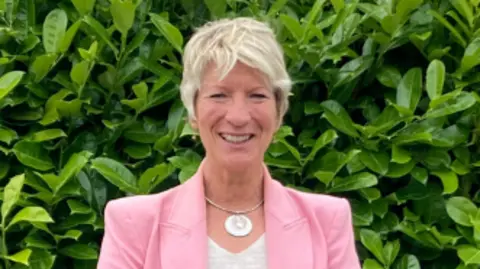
(236, 145)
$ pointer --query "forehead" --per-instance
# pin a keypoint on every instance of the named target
(239, 76)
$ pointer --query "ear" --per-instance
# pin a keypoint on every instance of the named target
(193, 123)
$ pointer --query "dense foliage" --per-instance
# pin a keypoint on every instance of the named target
(385, 111)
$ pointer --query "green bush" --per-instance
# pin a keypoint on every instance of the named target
(384, 111)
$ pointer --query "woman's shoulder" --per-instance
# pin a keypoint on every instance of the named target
(138, 207)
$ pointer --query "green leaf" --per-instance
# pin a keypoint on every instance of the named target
(33, 214)
(461, 210)
(375, 161)
(116, 173)
(217, 7)
(41, 259)
(396, 170)
(77, 207)
(100, 31)
(447, 24)
(469, 254)
(79, 73)
(154, 176)
(22, 257)
(325, 139)
(354, 182)
(170, 32)
(461, 102)
(292, 25)
(420, 174)
(69, 35)
(7, 135)
(410, 89)
(400, 155)
(123, 14)
(9, 81)
(372, 241)
(79, 251)
(408, 262)
(435, 79)
(338, 117)
(389, 76)
(84, 6)
(33, 155)
(42, 65)
(371, 264)
(54, 29)
(11, 195)
(276, 7)
(49, 134)
(390, 251)
(465, 9)
(405, 7)
(471, 57)
(138, 151)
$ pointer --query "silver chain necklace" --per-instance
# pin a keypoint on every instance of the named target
(238, 224)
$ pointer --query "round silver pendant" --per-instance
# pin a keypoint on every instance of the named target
(238, 225)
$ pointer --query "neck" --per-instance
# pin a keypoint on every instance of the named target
(235, 190)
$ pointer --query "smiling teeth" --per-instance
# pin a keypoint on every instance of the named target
(236, 138)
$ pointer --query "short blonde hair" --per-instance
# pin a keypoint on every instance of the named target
(227, 41)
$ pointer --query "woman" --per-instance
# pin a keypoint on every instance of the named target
(231, 213)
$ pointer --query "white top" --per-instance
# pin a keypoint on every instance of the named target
(254, 257)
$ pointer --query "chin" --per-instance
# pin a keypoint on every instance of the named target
(239, 162)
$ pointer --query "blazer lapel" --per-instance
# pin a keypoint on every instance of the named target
(288, 235)
(184, 233)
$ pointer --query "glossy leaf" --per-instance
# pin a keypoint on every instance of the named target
(9, 81)
(435, 79)
(170, 32)
(321, 142)
(116, 173)
(461, 210)
(469, 255)
(375, 161)
(48, 134)
(11, 195)
(217, 7)
(123, 14)
(471, 58)
(33, 214)
(372, 241)
(389, 76)
(22, 257)
(338, 117)
(54, 28)
(410, 89)
(84, 6)
(33, 155)
(461, 102)
(79, 251)
(357, 181)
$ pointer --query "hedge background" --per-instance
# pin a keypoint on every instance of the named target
(385, 111)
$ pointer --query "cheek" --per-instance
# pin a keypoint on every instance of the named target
(267, 118)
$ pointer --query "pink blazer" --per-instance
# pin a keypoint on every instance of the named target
(168, 230)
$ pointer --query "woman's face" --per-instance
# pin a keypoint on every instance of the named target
(236, 117)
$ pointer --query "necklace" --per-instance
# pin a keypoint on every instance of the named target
(238, 224)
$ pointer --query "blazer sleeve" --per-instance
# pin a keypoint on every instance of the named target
(341, 240)
(120, 248)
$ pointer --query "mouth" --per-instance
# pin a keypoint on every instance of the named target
(236, 139)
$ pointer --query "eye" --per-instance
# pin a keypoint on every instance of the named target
(218, 95)
(258, 95)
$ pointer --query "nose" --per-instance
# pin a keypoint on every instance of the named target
(238, 113)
